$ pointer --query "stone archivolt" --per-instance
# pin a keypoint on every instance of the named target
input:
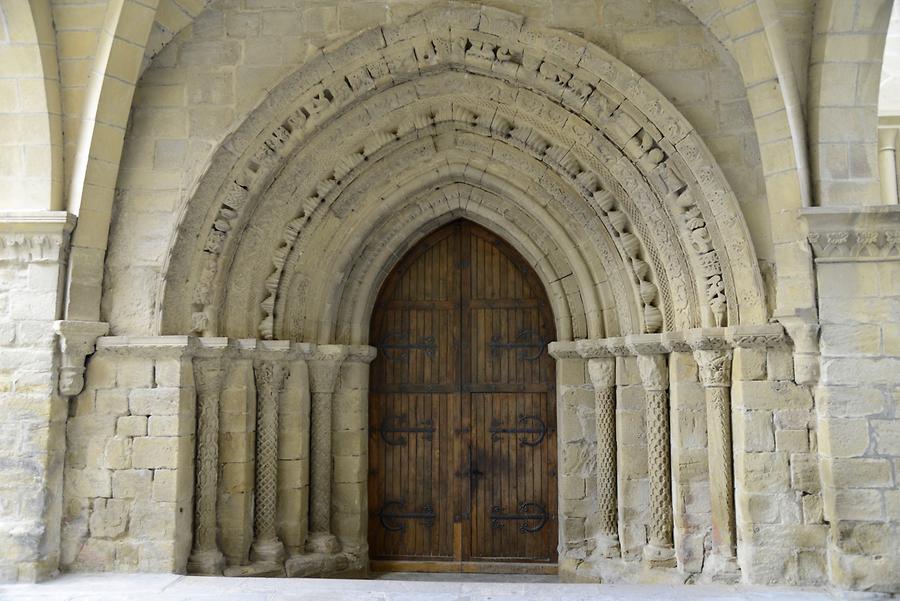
(590, 131)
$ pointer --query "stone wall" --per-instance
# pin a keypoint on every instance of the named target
(129, 472)
(858, 274)
(32, 265)
(779, 508)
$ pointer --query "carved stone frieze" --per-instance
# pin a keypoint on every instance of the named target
(854, 233)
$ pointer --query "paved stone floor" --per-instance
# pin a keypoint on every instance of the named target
(168, 587)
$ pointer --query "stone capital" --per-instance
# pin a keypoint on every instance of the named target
(714, 367)
(602, 371)
(654, 372)
(324, 365)
(77, 340)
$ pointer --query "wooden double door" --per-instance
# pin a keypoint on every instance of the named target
(462, 426)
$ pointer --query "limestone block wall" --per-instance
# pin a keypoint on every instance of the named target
(576, 481)
(631, 442)
(779, 506)
(32, 264)
(690, 467)
(858, 275)
(129, 473)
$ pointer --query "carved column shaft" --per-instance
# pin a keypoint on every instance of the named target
(269, 376)
(654, 376)
(206, 558)
(715, 375)
(603, 377)
(324, 367)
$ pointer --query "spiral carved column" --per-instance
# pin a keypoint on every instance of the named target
(324, 366)
(715, 375)
(267, 548)
(206, 558)
(659, 550)
(602, 372)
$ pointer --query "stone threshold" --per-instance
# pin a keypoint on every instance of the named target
(173, 587)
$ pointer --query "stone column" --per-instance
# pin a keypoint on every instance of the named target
(602, 371)
(266, 548)
(653, 367)
(713, 358)
(887, 163)
(324, 367)
(206, 558)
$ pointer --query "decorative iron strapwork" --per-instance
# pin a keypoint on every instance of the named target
(392, 520)
(531, 344)
(394, 425)
(395, 346)
(528, 424)
(531, 522)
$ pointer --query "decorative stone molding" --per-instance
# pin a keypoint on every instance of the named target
(40, 236)
(564, 349)
(854, 234)
(752, 336)
(77, 340)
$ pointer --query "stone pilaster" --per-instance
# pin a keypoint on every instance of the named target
(33, 255)
(653, 368)
(324, 367)
(267, 547)
(209, 371)
(713, 356)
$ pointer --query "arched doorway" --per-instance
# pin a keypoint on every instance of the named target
(462, 414)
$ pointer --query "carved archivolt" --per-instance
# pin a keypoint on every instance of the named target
(481, 81)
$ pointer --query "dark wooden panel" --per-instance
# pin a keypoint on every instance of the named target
(462, 445)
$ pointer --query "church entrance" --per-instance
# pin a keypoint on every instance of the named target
(462, 418)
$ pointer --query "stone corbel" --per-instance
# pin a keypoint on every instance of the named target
(77, 340)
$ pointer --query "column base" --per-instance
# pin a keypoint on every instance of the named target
(255, 569)
(303, 566)
(607, 547)
(721, 569)
(267, 552)
(206, 563)
(659, 557)
(322, 542)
